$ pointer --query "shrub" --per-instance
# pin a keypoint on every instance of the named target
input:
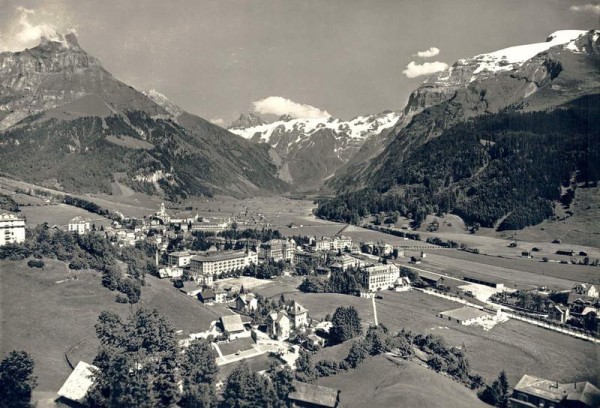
(35, 263)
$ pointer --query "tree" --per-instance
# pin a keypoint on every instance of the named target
(282, 380)
(357, 354)
(496, 394)
(304, 366)
(345, 324)
(198, 371)
(17, 380)
(137, 361)
(247, 389)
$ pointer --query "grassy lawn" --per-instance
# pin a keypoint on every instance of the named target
(381, 382)
(45, 315)
(238, 344)
(517, 347)
(59, 214)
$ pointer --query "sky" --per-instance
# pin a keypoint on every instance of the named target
(311, 58)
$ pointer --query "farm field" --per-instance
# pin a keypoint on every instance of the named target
(571, 273)
(519, 348)
(381, 382)
(525, 273)
(45, 312)
(59, 214)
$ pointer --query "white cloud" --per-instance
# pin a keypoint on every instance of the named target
(431, 52)
(414, 70)
(587, 8)
(276, 105)
(218, 121)
(28, 27)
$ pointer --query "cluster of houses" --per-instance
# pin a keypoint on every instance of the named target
(583, 302)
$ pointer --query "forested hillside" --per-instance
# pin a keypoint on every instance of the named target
(507, 166)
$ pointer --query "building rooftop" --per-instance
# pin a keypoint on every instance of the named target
(549, 390)
(219, 256)
(78, 383)
(464, 313)
(10, 217)
(232, 323)
(314, 394)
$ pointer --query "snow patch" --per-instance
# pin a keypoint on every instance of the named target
(358, 128)
(507, 58)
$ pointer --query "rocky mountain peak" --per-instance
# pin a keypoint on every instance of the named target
(246, 121)
(286, 117)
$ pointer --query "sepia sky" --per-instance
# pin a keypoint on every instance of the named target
(221, 58)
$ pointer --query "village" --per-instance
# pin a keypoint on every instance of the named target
(219, 265)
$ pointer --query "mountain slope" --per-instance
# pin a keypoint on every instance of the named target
(456, 150)
(313, 149)
(69, 124)
(565, 68)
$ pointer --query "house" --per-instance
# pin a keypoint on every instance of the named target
(402, 284)
(246, 302)
(378, 277)
(220, 296)
(538, 392)
(310, 395)
(232, 324)
(180, 259)
(465, 315)
(279, 325)
(12, 229)
(345, 262)
(79, 225)
(278, 250)
(207, 296)
(78, 383)
(211, 263)
(587, 289)
(170, 272)
(558, 313)
(298, 315)
(191, 288)
(315, 340)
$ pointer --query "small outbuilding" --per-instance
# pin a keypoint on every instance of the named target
(79, 382)
(465, 315)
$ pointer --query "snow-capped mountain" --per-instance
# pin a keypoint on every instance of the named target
(312, 149)
(526, 78)
(509, 60)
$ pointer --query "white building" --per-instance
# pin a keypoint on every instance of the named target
(210, 226)
(333, 244)
(180, 259)
(12, 229)
(279, 250)
(210, 263)
(379, 277)
(79, 225)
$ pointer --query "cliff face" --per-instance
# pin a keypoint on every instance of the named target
(56, 73)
